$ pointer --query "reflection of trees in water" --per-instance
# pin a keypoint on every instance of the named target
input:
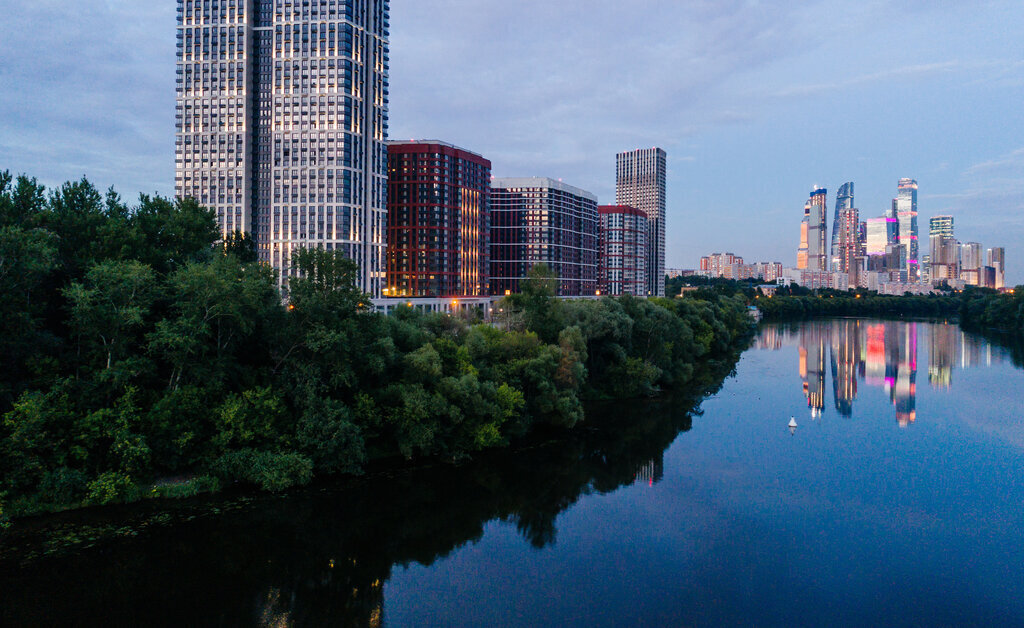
(322, 557)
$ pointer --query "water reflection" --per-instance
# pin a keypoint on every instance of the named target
(322, 557)
(877, 354)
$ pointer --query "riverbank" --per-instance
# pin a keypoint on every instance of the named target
(613, 433)
(142, 347)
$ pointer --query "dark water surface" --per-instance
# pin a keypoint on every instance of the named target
(898, 500)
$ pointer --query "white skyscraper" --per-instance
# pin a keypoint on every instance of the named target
(640, 182)
(281, 123)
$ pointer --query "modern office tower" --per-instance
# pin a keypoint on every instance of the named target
(801, 253)
(882, 234)
(438, 221)
(943, 249)
(971, 263)
(896, 262)
(817, 230)
(904, 209)
(844, 200)
(542, 221)
(622, 252)
(848, 249)
(640, 182)
(281, 119)
(997, 260)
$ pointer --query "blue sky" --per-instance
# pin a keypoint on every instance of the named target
(756, 102)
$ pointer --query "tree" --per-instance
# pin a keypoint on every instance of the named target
(109, 308)
(242, 246)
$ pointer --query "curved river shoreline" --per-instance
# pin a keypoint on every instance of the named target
(897, 500)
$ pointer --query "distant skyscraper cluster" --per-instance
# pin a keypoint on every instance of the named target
(885, 253)
(282, 120)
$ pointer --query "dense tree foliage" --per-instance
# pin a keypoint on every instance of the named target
(141, 353)
(834, 303)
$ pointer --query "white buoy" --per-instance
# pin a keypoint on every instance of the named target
(792, 422)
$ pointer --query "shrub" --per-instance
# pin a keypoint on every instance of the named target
(110, 487)
(270, 471)
(63, 486)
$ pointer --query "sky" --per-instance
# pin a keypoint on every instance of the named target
(756, 103)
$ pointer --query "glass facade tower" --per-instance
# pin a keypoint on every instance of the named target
(281, 124)
(844, 200)
(904, 209)
(816, 211)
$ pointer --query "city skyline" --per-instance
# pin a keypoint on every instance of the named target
(105, 111)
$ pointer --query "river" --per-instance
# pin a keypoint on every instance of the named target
(897, 500)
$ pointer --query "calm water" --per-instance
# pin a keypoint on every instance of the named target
(898, 500)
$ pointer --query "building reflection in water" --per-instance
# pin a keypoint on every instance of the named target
(880, 354)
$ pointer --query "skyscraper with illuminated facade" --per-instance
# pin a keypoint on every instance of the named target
(844, 201)
(816, 212)
(438, 221)
(904, 209)
(281, 122)
(640, 177)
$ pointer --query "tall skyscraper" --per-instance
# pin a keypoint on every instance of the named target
(944, 254)
(844, 200)
(542, 221)
(817, 230)
(904, 209)
(438, 221)
(623, 251)
(640, 183)
(849, 243)
(281, 121)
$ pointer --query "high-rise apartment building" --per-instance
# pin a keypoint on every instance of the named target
(281, 121)
(640, 182)
(541, 221)
(844, 200)
(904, 209)
(622, 251)
(438, 221)
(816, 210)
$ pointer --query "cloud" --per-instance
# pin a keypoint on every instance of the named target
(559, 88)
(90, 95)
(1012, 163)
(906, 72)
